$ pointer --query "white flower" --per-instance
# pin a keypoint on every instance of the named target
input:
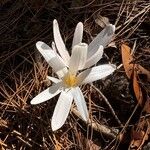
(69, 81)
(67, 68)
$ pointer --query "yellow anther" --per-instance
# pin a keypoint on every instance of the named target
(70, 80)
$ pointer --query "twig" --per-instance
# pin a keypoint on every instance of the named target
(20, 137)
(2, 144)
(107, 102)
(112, 133)
(125, 126)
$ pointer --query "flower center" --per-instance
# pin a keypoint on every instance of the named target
(70, 80)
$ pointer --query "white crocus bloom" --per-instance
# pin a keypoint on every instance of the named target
(69, 80)
(67, 69)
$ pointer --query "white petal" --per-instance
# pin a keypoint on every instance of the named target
(59, 42)
(41, 46)
(61, 73)
(53, 79)
(80, 102)
(55, 50)
(103, 38)
(96, 73)
(78, 57)
(77, 38)
(95, 57)
(54, 47)
(61, 110)
(47, 94)
(50, 56)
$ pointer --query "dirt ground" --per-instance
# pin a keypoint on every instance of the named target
(121, 120)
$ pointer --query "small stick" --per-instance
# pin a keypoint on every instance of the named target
(112, 133)
(107, 102)
(19, 136)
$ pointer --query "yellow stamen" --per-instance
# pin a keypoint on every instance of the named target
(70, 80)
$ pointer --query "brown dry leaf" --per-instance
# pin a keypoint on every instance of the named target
(131, 71)
(101, 20)
(137, 135)
(138, 138)
(137, 89)
(147, 105)
(142, 70)
(140, 134)
(126, 59)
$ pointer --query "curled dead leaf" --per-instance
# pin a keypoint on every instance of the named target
(131, 72)
(101, 21)
(138, 138)
(142, 70)
(147, 105)
(126, 59)
(137, 135)
(137, 89)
